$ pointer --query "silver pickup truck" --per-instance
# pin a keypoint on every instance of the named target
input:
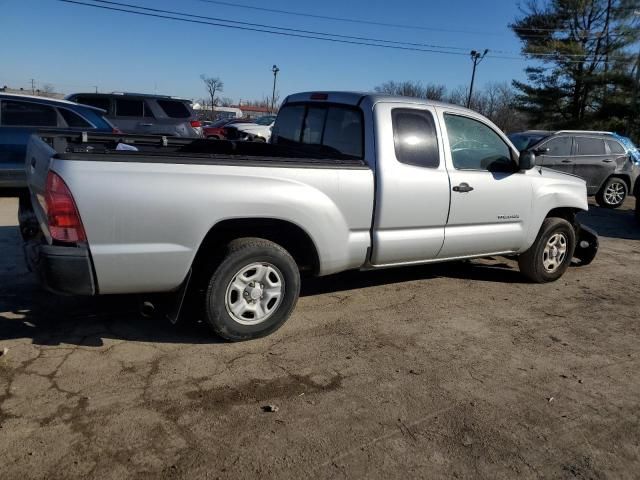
(349, 181)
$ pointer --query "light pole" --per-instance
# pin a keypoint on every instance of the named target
(275, 71)
(476, 58)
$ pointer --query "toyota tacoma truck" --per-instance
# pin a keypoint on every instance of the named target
(349, 181)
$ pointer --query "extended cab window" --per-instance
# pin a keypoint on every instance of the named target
(415, 138)
(27, 114)
(475, 146)
(590, 146)
(330, 129)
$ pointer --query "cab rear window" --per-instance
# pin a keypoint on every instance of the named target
(332, 129)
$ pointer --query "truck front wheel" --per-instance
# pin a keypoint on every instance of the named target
(551, 253)
(252, 291)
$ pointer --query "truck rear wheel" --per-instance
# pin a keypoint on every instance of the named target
(252, 291)
(551, 253)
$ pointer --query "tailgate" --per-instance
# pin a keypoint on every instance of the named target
(38, 159)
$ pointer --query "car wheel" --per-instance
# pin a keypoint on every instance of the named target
(551, 253)
(252, 291)
(259, 140)
(613, 193)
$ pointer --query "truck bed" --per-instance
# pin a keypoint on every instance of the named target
(154, 149)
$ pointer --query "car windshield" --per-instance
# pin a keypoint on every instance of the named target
(266, 120)
(524, 141)
(219, 123)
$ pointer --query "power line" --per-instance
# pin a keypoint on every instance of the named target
(363, 41)
(353, 20)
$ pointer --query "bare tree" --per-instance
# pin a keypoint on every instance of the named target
(213, 86)
(413, 89)
(47, 89)
(226, 102)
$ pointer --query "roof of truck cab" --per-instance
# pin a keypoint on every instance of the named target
(356, 98)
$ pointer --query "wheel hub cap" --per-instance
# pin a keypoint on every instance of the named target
(614, 193)
(555, 252)
(254, 293)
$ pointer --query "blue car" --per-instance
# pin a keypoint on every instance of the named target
(22, 115)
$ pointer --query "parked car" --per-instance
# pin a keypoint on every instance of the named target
(350, 181)
(143, 114)
(22, 115)
(216, 130)
(259, 130)
(601, 158)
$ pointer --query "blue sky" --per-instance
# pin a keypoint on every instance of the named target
(76, 48)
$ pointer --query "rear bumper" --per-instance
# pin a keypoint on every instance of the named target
(62, 270)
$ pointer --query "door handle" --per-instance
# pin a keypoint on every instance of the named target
(567, 161)
(608, 160)
(463, 188)
(146, 124)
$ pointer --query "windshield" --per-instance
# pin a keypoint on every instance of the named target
(266, 120)
(524, 141)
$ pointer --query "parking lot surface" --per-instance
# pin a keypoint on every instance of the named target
(457, 370)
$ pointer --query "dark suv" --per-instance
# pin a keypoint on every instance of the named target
(605, 160)
(145, 114)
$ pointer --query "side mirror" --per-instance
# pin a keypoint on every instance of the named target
(527, 160)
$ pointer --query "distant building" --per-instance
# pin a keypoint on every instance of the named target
(253, 112)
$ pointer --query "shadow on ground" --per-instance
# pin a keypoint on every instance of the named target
(28, 312)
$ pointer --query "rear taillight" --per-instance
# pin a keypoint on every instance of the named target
(62, 214)
(116, 131)
(196, 124)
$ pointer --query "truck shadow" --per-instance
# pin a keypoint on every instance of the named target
(28, 312)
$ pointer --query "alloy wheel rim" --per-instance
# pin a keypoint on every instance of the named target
(614, 193)
(254, 293)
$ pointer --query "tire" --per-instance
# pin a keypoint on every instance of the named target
(535, 263)
(613, 193)
(259, 140)
(252, 291)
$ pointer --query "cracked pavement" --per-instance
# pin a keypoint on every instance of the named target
(460, 370)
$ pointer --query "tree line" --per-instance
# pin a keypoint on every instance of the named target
(584, 71)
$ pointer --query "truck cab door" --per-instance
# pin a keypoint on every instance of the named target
(412, 185)
(490, 197)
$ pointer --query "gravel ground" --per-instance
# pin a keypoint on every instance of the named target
(452, 371)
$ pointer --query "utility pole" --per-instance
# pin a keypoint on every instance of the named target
(275, 71)
(96, 87)
(33, 86)
(476, 58)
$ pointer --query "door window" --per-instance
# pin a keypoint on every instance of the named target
(558, 147)
(74, 120)
(475, 146)
(590, 146)
(615, 147)
(129, 108)
(27, 114)
(99, 102)
(415, 138)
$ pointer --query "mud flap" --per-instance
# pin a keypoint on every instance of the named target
(175, 301)
(586, 245)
